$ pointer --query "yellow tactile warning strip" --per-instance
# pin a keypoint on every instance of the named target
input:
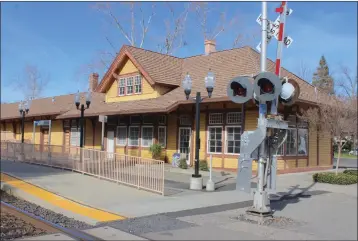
(56, 200)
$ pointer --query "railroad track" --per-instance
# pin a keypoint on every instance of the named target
(38, 225)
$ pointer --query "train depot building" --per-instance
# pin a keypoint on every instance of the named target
(143, 97)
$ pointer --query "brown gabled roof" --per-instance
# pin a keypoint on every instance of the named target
(39, 107)
(155, 67)
(163, 69)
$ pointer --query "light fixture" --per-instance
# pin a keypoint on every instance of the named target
(187, 84)
(77, 99)
(210, 82)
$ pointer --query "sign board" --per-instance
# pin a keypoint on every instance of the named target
(288, 41)
(42, 123)
(102, 118)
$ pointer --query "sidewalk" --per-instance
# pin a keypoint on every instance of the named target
(112, 197)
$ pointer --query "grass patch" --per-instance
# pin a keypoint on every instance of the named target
(345, 155)
(347, 177)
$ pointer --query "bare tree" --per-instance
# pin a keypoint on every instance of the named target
(338, 118)
(348, 83)
(33, 83)
(304, 71)
(175, 29)
(203, 11)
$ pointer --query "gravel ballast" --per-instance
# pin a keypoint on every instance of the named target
(44, 213)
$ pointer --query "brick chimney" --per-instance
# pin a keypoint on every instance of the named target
(209, 46)
(93, 81)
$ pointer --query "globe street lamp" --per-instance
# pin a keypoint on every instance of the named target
(82, 108)
(24, 107)
(196, 182)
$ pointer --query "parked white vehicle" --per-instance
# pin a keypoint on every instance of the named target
(354, 152)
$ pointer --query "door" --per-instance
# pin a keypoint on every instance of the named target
(184, 143)
(44, 140)
(67, 141)
(110, 143)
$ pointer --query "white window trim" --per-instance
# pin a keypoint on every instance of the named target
(227, 118)
(165, 136)
(126, 138)
(222, 119)
(207, 141)
(285, 143)
(141, 139)
(141, 84)
(130, 85)
(226, 146)
(307, 144)
(119, 86)
(129, 131)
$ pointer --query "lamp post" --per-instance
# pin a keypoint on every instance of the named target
(24, 108)
(82, 108)
(196, 181)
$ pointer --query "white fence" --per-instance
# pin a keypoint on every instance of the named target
(147, 174)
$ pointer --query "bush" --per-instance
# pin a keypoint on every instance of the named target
(156, 150)
(203, 165)
(183, 164)
(332, 178)
(351, 172)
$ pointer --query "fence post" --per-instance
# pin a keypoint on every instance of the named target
(99, 164)
(138, 168)
(83, 161)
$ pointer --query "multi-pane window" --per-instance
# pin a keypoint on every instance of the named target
(233, 118)
(129, 85)
(302, 142)
(122, 87)
(215, 139)
(147, 136)
(137, 84)
(162, 135)
(121, 135)
(75, 136)
(215, 118)
(133, 136)
(233, 135)
(162, 119)
(185, 120)
(291, 142)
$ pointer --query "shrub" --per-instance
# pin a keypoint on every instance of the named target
(183, 164)
(156, 150)
(351, 172)
(203, 165)
(332, 178)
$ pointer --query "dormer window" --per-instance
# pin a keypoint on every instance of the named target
(130, 85)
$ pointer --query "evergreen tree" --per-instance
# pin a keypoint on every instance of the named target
(322, 79)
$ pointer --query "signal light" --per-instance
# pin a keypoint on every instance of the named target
(240, 90)
(289, 93)
(267, 86)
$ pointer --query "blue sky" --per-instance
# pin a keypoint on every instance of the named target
(60, 38)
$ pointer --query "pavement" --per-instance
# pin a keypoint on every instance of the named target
(305, 210)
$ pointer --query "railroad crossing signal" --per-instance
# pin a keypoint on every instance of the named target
(273, 30)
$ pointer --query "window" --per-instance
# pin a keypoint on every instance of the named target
(302, 142)
(122, 87)
(135, 119)
(291, 142)
(133, 139)
(129, 85)
(233, 135)
(215, 140)
(138, 84)
(185, 120)
(162, 119)
(233, 118)
(75, 136)
(121, 135)
(147, 136)
(215, 118)
(162, 136)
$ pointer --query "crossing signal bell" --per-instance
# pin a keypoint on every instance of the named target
(240, 90)
(289, 93)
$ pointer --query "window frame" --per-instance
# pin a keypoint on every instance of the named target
(132, 85)
(140, 84)
(117, 136)
(165, 136)
(226, 140)
(307, 142)
(213, 114)
(234, 112)
(208, 140)
(141, 136)
(120, 86)
(129, 131)
(296, 148)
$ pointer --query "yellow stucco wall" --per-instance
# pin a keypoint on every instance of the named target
(172, 136)
(57, 132)
(312, 150)
(302, 163)
(325, 149)
(148, 92)
(145, 153)
(251, 117)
